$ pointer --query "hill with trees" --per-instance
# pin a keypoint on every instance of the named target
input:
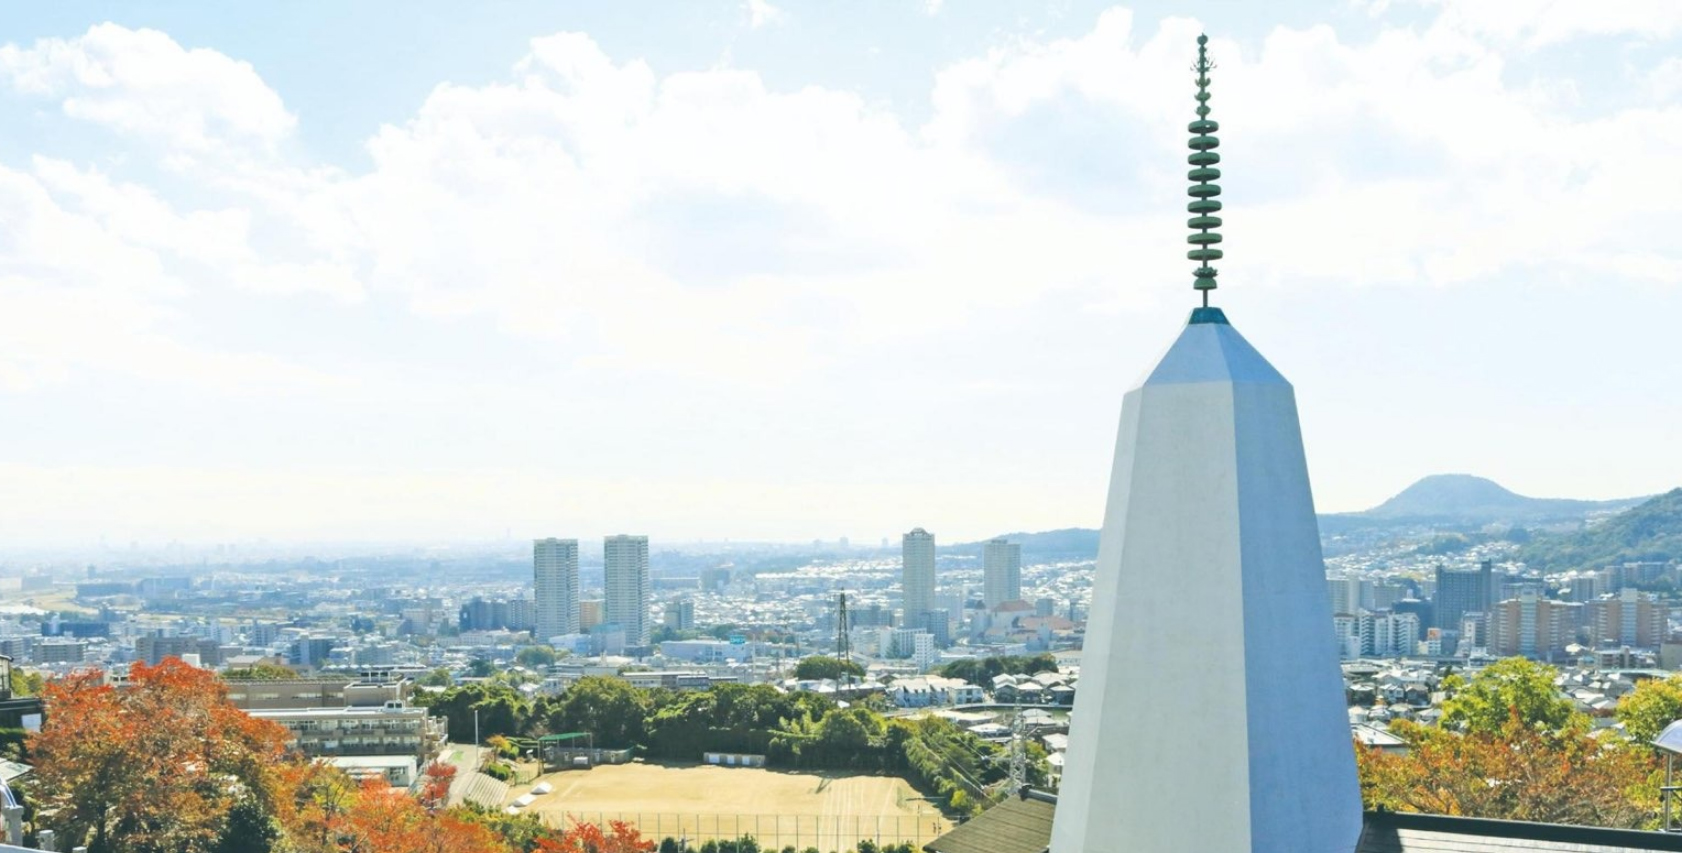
(1650, 532)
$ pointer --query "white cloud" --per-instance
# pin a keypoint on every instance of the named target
(762, 13)
(1539, 23)
(565, 201)
(663, 231)
(142, 82)
(92, 274)
(1665, 81)
(1474, 201)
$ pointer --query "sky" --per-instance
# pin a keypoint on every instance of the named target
(428, 271)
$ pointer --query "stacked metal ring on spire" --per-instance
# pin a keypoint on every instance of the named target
(1203, 190)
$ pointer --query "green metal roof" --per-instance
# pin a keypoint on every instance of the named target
(560, 737)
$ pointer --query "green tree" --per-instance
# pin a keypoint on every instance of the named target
(982, 671)
(521, 832)
(849, 732)
(439, 677)
(609, 708)
(824, 667)
(501, 710)
(536, 657)
(26, 683)
(1655, 704)
(1504, 688)
(249, 829)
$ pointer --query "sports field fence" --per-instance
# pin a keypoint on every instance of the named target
(773, 832)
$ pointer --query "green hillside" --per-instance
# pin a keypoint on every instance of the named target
(1651, 531)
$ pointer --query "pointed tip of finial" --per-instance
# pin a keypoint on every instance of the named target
(1203, 191)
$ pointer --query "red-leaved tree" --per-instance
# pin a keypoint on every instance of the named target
(620, 837)
(154, 766)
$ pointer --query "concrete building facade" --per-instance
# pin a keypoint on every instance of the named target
(555, 580)
(917, 572)
(1630, 618)
(1532, 626)
(628, 586)
(1001, 572)
(1460, 592)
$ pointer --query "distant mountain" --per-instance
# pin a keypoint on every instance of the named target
(1467, 499)
(1650, 532)
(1453, 501)
(1073, 543)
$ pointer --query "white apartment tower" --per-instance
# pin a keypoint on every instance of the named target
(1001, 573)
(555, 575)
(917, 579)
(628, 588)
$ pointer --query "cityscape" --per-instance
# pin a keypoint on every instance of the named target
(582, 430)
(380, 643)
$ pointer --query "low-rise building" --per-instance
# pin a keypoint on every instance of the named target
(394, 729)
(931, 690)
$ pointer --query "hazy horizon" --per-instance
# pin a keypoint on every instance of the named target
(780, 271)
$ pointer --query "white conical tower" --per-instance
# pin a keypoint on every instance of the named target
(1210, 714)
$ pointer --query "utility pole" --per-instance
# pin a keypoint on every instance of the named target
(843, 632)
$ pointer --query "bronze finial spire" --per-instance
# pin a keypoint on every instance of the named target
(1203, 191)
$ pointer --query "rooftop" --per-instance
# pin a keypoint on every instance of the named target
(368, 711)
(1023, 825)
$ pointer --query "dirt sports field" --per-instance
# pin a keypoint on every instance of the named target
(829, 811)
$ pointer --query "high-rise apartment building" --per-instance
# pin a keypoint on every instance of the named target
(1629, 618)
(1347, 594)
(1376, 634)
(1532, 626)
(680, 614)
(1462, 592)
(589, 614)
(1001, 572)
(917, 575)
(628, 586)
(1583, 586)
(555, 572)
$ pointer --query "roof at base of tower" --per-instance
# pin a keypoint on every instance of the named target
(1023, 825)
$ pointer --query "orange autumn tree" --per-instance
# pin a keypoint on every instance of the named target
(1519, 772)
(620, 837)
(155, 766)
(435, 785)
(376, 818)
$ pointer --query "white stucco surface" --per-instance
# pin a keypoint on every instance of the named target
(1210, 713)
